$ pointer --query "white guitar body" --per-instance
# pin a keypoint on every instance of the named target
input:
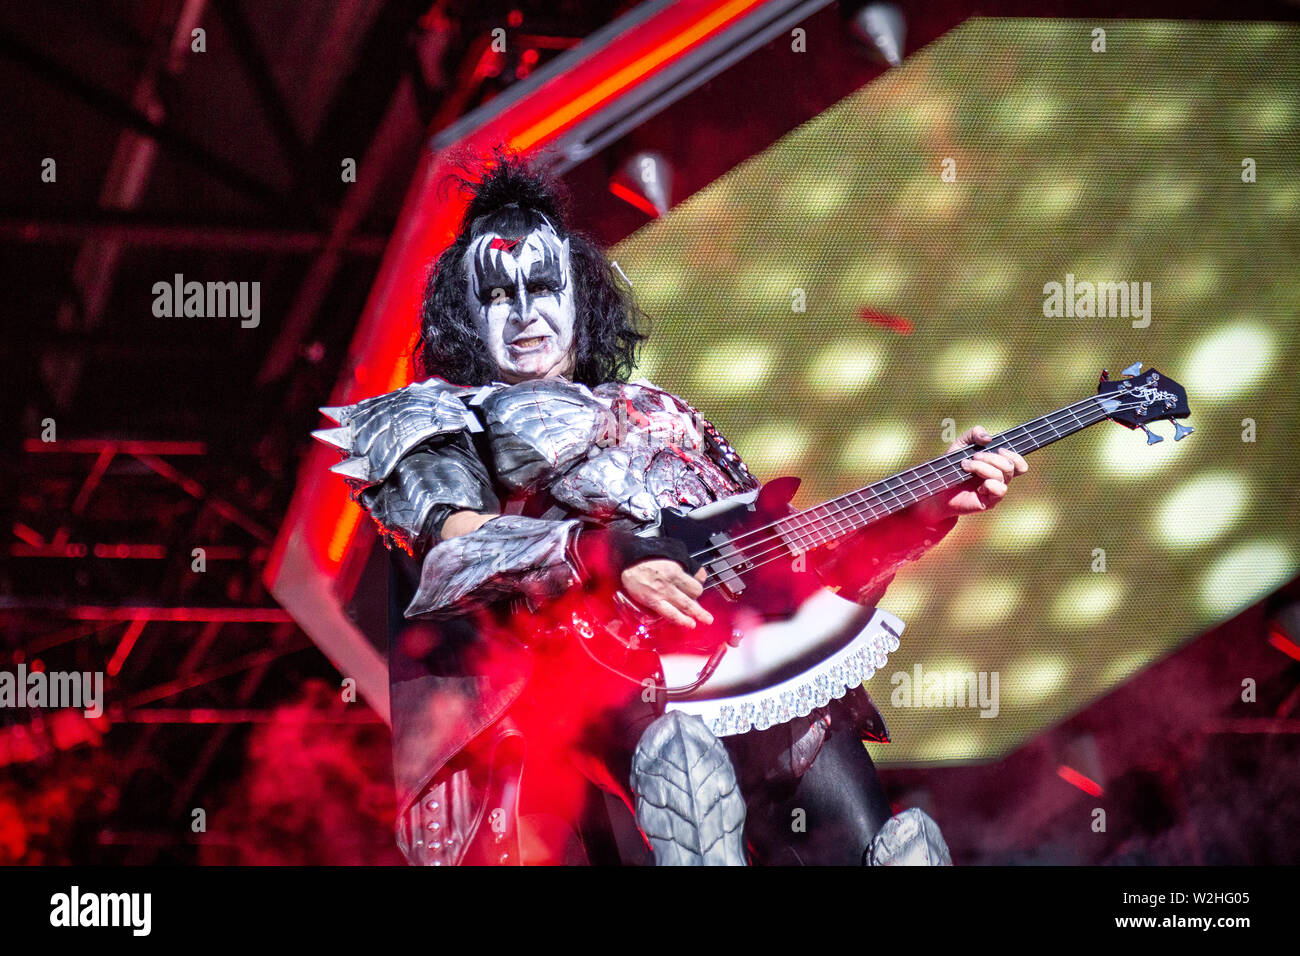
(786, 669)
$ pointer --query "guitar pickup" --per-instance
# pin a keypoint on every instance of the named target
(726, 565)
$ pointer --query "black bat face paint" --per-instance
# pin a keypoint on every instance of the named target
(522, 290)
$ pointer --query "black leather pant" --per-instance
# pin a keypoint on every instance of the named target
(827, 816)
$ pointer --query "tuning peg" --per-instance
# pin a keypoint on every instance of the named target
(1181, 431)
(1152, 437)
(1105, 376)
(1133, 369)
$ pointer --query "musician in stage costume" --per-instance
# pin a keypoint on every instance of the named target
(526, 484)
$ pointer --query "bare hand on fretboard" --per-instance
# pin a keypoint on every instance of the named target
(991, 474)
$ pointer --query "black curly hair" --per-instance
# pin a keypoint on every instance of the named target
(510, 197)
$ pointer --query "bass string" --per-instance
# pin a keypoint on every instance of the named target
(935, 464)
(937, 467)
(780, 546)
(811, 521)
(780, 550)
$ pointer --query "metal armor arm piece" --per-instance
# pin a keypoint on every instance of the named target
(862, 565)
(426, 487)
(507, 556)
(411, 462)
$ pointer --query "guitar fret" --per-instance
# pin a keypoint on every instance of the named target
(839, 517)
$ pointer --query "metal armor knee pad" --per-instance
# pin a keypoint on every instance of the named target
(688, 802)
(910, 838)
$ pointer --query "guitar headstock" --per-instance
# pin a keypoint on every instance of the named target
(1142, 398)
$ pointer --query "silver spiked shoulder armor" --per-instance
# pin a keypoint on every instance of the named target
(410, 461)
(538, 429)
(375, 434)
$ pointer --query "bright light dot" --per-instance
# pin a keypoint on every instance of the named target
(950, 665)
(1165, 192)
(1033, 678)
(1262, 112)
(1124, 665)
(984, 603)
(969, 365)
(875, 446)
(1227, 362)
(1202, 509)
(990, 277)
(1028, 111)
(1125, 453)
(820, 198)
(908, 595)
(1048, 200)
(736, 366)
(1194, 279)
(1284, 200)
(1018, 527)
(1244, 575)
(658, 287)
(774, 448)
(943, 199)
(1160, 115)
(873, 280)
(773, 284)
(956, 744)
(843, 369)
(1087, 600)
(927, 114)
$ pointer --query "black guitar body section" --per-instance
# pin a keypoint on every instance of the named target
(752, 575)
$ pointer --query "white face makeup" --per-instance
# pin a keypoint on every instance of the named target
(522, 293)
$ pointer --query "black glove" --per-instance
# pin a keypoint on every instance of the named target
(603, 554)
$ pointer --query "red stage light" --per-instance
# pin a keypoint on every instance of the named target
(1076, 779)
(124, 647)
(1283, 643)
(635, 199)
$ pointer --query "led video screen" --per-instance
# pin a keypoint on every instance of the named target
(915, 260)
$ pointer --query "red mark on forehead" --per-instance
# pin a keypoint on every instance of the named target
(507, 245)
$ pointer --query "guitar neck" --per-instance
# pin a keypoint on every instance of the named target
(840, 517)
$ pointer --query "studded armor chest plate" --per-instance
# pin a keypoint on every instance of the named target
(620, 451)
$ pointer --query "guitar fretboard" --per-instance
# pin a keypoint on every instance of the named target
(841, 516)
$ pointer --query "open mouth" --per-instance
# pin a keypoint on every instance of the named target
(528, 343)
